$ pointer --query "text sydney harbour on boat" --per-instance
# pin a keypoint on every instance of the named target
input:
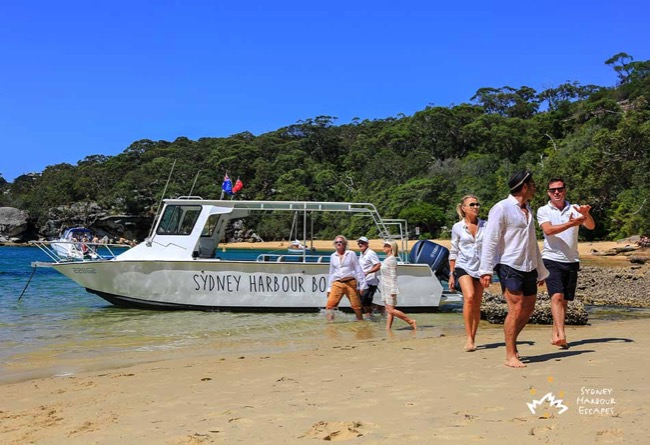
(178, 267)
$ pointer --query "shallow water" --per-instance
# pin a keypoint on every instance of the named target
(57, 328)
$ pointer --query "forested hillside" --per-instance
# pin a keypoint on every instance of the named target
(414, 167)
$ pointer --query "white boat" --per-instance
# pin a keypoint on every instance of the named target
(75, 245)
(177, 267)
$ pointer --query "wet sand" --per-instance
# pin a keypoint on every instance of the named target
(403, 388)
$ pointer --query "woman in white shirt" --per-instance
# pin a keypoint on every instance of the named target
(388, 285)
(464, 260)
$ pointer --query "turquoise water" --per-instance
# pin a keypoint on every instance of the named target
(57, 328)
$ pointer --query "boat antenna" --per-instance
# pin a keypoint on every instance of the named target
(161, 200)
(194, 183)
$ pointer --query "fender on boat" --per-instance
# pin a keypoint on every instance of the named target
(432, 254)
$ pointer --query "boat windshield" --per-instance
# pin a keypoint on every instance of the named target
(178, 220)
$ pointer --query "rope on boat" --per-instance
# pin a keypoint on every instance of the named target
(28, 281)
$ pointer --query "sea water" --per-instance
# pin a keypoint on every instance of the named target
(57, 328)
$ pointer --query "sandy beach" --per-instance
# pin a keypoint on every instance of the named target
(403, 388)
(398, 387)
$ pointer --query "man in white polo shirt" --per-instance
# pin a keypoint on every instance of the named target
(560, 221)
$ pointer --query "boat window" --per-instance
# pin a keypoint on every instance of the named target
(178, 220)
(210, 225)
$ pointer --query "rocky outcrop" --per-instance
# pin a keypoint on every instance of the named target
(236, 232)
(15, 225)
(494, 309)
(597, 286)
(615, 286)
(94, 217)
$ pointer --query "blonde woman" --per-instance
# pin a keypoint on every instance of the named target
(464, 259)
(388, 285)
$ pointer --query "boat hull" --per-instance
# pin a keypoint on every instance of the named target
(213, 285)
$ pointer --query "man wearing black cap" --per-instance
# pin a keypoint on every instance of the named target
(510, 248)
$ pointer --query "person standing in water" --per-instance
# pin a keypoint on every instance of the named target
(345, 278)
(388, 286)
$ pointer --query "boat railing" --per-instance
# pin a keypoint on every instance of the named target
(93, 251)
(297, 258)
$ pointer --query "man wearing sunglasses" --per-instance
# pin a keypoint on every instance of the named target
(510, 248)
(560, 221)
(345, 278)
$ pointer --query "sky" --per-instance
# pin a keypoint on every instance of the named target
(80, 78)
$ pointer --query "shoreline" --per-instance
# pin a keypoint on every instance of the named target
(352, 390)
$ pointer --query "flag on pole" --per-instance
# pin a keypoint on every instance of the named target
(227, 185)
(238, 186)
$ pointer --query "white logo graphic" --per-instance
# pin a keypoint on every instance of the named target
(552, 401)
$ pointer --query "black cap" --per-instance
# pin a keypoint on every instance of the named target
(518, 178)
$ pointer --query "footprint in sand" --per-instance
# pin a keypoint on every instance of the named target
(610, 436)
(336, 431)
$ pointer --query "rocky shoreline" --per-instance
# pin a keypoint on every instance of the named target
(615, 286)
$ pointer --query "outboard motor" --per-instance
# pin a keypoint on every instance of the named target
(435, 255)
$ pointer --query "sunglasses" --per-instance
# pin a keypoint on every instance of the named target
(361, 243)
(339, 242)
(474, 204)
(556, 189)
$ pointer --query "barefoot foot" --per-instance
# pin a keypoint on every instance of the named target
(470, 347)
(561, 343)
(413, 325)
(514, 362)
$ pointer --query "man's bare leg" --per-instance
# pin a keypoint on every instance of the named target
(558, 310)
(520, 308)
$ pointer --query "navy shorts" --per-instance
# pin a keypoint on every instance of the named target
(517, 281)
(460, 272)
(368, 295)
(562, 279)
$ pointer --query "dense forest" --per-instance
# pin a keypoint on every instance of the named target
(414, 167)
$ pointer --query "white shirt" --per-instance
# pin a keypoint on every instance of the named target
(389, 277)
(509, 239)
(563, 246)
(367, 260)
(348, 267)
(466, 248)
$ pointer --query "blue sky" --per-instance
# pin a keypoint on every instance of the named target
(79, 78)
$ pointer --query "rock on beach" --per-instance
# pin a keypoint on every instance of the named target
(597, 286)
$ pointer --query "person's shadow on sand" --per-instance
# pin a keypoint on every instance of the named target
(588, 341)
(557, 355)
(564, 353)
(502, 345)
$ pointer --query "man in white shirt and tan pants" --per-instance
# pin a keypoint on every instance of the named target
(510, 248)
(560, 221)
